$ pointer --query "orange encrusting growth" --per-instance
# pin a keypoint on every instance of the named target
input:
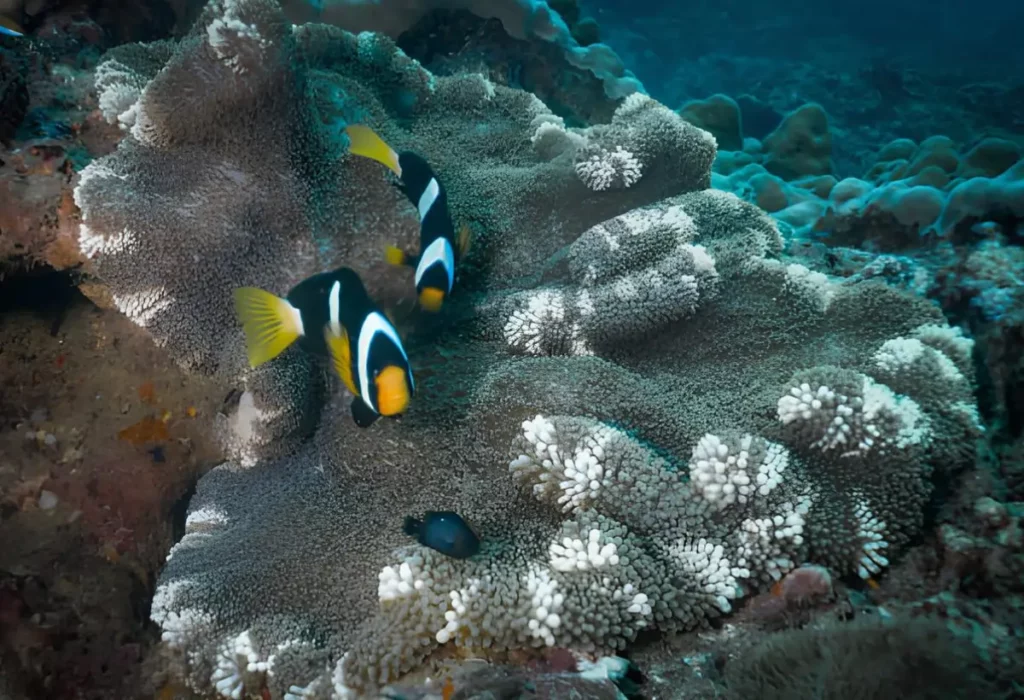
(149, 429)
(147, 392)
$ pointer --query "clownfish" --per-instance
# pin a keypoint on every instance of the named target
(8, 27)
(331, 315)
(445, 532)
(440, 247)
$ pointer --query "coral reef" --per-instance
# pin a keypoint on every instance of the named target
(86, 516)
(936, 218)
(522, 19)
(913, 659)
(13, 97)
(658, 404)
(877, 82)
(47, 132)
(910, 192)
(308, 79)
(692, 417)
(448, 42)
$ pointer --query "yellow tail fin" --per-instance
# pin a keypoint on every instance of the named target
(271, 324)
(364, 142)
(341, 356)
(465, 239)
(394, 255)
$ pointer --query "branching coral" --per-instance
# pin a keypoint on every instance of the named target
(604, 169)
(631, 276)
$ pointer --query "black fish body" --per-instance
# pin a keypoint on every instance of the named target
(439, 250)
(445, 532)
(311, 298)
(331, 314)
(440, 246)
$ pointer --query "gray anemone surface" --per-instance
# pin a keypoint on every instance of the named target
(644, 414)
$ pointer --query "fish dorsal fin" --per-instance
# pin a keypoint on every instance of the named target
(464, 239)
(271, 324)
(341, 356)
(363, 141)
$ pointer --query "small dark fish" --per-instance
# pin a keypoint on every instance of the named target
(444, 531)
(158, 454)
(441, 247)
(331, 314)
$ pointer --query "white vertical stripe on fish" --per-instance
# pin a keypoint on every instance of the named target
(334, 306)
(297, 315)
(375, 323)
(428, 197)
(441, 250)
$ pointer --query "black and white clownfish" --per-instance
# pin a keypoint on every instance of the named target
(325, 313)
(443, 531)
(440, 247)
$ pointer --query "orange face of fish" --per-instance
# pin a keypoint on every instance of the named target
(392, 390)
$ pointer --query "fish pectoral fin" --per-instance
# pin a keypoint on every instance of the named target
(364, 142)
(341, 357)
(363, 415)
(395, 256)
(464, 240)
(270, 323)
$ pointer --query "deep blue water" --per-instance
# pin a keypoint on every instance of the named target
(658, 38)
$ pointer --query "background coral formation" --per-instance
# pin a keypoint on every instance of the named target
(694, 376)
(826, 456)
